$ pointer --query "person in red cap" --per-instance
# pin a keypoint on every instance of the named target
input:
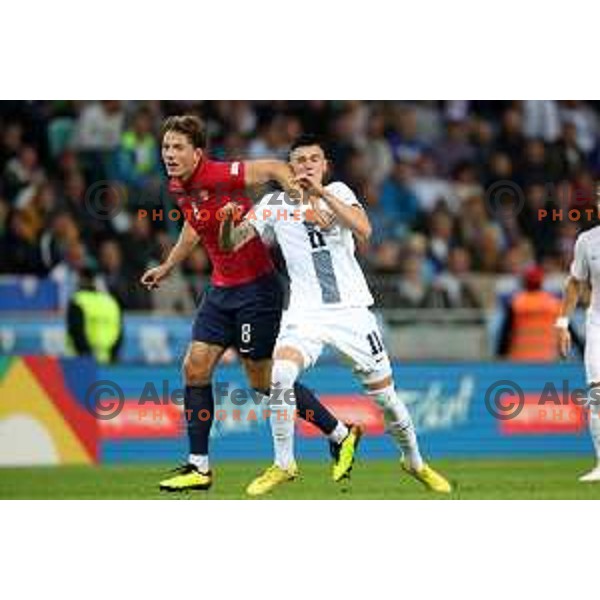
(529, 333)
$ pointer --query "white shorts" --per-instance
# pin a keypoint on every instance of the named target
(353, 332)
(592, 352)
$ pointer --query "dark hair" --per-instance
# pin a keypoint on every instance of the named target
(189, 125)
(308, 139)
(87, 277)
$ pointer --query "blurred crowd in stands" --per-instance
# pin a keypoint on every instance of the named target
(423, 170)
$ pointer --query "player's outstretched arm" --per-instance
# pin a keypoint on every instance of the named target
(188, 239)
(232, 236)
(259, 172)
(569, 302)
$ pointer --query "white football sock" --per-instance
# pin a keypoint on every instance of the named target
(399, 424)
(282, 405)
(339, 434)
(594, 417)
(200, 461)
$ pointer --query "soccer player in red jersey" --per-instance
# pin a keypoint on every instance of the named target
(242, 307)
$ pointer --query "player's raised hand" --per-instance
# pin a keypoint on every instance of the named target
(152, 277)
(564, 341)
(310, 184)
(323, 218)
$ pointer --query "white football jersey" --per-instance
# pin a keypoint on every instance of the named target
(321, 264)
(586, 266)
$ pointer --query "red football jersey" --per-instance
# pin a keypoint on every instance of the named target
(213, 185)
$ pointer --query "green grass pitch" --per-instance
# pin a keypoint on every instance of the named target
(549, 478)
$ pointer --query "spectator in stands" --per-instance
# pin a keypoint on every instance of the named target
(315, 116)
(536, 219)
(440, 236)
(535, 167)
(271, 142)
(510, 140)
(66, 272)
(343, 144)
(36, 204)
(73, 202)
(487, 250)
(511, 265)
(452, 286)
(357, 174)
(94, 322)
(500, 168)
(455, 148)
(140, 246)
(196, 269)
(292, 129)
(139, 156)
(4, 211)
(430, 188)
(472, 219)
(232, 147)
(10, 144)
(4, 227)
(541, 120)
(20, 252)
(554, 276)
(100, 126)
(506, 215)
(567, 234)
(566, 154)
(465, 182)
(21, 172)
(387, 258)
(583, 191)
(119, 280)
(98, 136)
(178, 295)
(482, 139)
(397, 199)
(380, 161)
(386, 263)
(407, 145)
(584, 121)
(61, 233)
(413, 290)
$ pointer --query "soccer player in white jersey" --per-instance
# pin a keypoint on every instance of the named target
(585, 273)
(329, 300)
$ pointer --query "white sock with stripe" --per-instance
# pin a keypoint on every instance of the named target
(399, 424)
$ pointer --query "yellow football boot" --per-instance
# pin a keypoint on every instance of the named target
(271, 478)
(187, 477)
(430, 478)
(344, 453)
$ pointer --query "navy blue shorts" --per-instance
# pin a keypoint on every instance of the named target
(246, 317)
